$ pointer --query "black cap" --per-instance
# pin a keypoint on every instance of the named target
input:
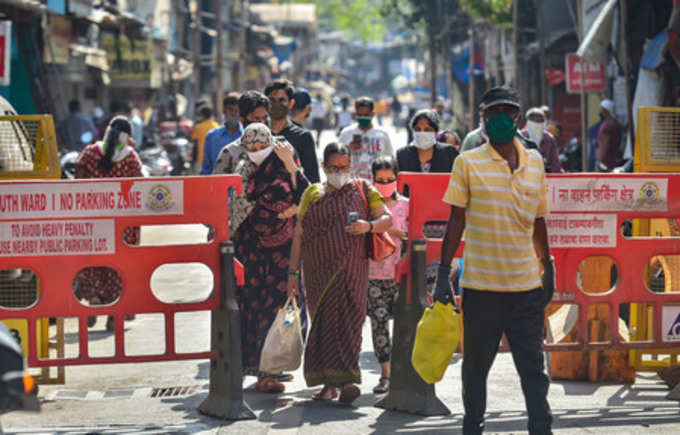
(500, 95)
(301, 98)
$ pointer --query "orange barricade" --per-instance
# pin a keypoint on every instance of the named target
(586, 219)
(57, 228)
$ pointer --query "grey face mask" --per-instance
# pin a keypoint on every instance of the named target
(231, 121)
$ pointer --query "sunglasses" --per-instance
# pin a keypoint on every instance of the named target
(331, 168)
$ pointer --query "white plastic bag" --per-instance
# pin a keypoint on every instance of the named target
(282, 348)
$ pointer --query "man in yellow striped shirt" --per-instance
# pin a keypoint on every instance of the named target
(497, 194)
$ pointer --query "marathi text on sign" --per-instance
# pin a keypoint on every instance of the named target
(607, 194)
(581, 230)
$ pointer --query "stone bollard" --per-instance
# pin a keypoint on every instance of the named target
(225, 399)
(408, 392)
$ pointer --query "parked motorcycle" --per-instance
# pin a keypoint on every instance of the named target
(180, 150)
(155, 160)
(69, 163)
(18, 390)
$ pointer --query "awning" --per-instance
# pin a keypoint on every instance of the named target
(301, 14)
(94, 57)
(594, 45)
(25, 5)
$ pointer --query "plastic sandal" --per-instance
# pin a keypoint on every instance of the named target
(324, 394)
(383, 386)
(270, 385)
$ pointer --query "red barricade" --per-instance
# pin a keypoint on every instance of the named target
(587, 213)
(57, 228)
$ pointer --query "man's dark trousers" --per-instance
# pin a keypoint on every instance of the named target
(486, 315)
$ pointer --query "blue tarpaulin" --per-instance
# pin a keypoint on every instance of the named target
(460, 62)
(653, 56)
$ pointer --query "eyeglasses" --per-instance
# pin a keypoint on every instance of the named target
(337, 168)
(385, 181)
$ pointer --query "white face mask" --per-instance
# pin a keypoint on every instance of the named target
(535, 130)
(424, 139)
(258, 157)
(338, 179)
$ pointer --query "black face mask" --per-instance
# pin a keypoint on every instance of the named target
(602, 116)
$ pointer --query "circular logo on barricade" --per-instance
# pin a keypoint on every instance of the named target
(160, 197)
(649, 191)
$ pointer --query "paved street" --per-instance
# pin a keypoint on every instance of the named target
(118, 398)
(161, 398)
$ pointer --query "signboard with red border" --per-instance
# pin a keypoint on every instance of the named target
(595, 78)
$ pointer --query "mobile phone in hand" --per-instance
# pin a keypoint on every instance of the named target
(352, 217)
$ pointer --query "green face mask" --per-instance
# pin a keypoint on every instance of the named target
(500, 128)
(364, 121)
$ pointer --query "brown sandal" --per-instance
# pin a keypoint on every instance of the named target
(349, 393)
(326, 393)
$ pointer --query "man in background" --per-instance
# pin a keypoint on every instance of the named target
(319, 115)
(280, 94)
(608, 138)
(220, 137)
(198, 135)
(344, 115)
(366, 142)
(302, 105)
(253, 106)
(536, 131)
(77, 130)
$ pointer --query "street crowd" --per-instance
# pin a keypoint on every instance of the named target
(304, 239)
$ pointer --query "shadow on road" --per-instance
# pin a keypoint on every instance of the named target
(296, 409)
(515, 421)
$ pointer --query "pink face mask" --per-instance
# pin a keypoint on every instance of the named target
(386, 190)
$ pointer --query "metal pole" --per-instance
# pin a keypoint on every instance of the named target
(196, 47)
(515, 43)
(243, 46)
(584, 120)
(541, 50)
(471, 86)
(626, 70)
(219, 59)
(433, 68)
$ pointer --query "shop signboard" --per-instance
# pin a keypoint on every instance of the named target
(131, 61)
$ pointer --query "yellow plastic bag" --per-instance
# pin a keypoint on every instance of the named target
(437, 337)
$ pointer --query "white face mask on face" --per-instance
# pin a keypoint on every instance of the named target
(424, 139)
(535, 130)
(338, 179)
(258, 157)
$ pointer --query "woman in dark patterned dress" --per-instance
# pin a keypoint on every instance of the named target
(114, 156)
(273, 184)
(335, 265)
